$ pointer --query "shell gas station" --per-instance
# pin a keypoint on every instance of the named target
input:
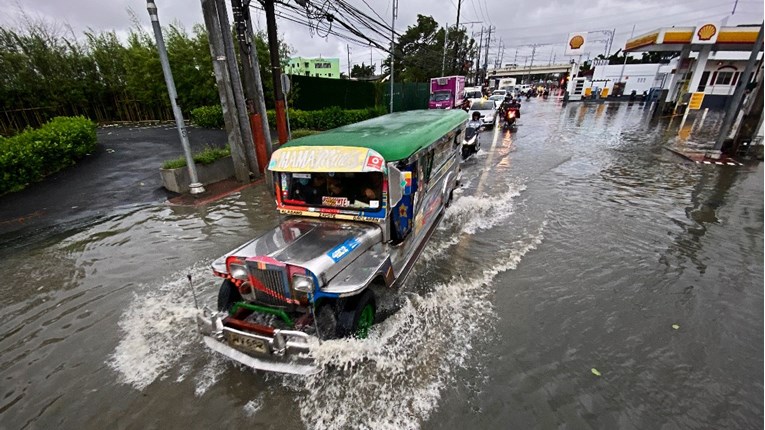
(711, 62)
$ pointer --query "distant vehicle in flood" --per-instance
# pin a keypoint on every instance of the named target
(361, 202)
(446, 92)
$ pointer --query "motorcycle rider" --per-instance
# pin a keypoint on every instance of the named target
(475, 121)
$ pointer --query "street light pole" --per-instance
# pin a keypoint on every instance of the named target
(195, 187)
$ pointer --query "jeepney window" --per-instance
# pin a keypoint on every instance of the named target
(425, 165)
(361, 190)
(442, 153)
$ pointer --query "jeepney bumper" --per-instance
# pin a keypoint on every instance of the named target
(284, 352)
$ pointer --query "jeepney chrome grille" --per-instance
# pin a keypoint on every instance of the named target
(272, 287)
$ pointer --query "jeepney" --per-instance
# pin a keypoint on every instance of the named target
(360, 203)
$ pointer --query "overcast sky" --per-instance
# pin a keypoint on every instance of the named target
(517, 24)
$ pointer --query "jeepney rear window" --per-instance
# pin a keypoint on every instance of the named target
(360, 190)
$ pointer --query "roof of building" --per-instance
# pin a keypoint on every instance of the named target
(395, 136)
(675, 38)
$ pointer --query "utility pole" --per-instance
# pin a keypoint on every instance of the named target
(392, 48)
(195, 187)
(738, 95)
(531, 64)
(248, 143)
(348, 48)
(276, 70)
(254, 83)
(458, 38)
(446, 40)
(225, 92)
(486, 56)
(478, 60)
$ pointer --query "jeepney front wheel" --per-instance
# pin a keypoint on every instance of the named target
(357, 316)
(227, 296)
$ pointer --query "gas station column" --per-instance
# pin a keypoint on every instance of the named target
(698, 68)
(677, 77)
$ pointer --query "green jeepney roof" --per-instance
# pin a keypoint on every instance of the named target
(395, 136)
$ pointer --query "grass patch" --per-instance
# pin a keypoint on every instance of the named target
(206, 156)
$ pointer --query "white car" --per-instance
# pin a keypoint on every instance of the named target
(497, 98)
(488, 111)
(502, 93)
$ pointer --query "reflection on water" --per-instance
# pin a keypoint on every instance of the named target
(575, 242)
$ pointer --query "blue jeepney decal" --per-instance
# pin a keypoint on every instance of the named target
(340, 251)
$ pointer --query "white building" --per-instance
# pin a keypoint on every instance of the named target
(718, 81)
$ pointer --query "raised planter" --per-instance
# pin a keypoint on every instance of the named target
(177, 180)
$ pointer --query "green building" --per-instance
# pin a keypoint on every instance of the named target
(318, 67)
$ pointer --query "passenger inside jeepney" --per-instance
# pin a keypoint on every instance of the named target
(315, 190)
(334, 189)
(372, 188)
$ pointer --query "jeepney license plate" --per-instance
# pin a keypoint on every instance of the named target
(247, 343)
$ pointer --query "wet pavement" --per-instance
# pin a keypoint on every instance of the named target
(123, 171)
(577, 243)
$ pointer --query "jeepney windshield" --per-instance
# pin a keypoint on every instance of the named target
(335, 190)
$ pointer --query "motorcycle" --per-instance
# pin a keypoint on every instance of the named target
(470, 143)
(511, 114)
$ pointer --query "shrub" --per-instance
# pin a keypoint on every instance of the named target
(324, 119)
(36, 153)
(208, 116)
(207, 156)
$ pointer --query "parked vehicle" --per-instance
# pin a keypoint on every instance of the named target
(487, 110)
(446, 92)
(361, 202)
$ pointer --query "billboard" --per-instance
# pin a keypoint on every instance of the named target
(576, 43)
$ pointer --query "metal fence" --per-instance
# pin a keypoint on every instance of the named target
(312, 93)
(407, 96)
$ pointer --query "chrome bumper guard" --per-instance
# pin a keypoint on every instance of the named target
(285, 352)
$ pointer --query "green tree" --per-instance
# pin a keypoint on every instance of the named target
(362, 71)
(420, 53)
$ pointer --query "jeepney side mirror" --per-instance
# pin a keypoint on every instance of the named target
(396, 185)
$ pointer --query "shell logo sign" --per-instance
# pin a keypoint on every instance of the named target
(575, 43)
(706, 33)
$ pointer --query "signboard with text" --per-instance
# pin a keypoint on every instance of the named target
(696, 100)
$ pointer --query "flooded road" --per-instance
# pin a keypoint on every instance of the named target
(577, 243)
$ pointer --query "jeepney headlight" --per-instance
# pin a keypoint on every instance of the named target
(302, 284)
(236, 268)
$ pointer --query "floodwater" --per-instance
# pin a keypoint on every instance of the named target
(576, 246)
